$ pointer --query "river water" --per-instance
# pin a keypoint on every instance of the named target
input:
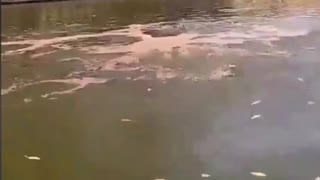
(161, 89)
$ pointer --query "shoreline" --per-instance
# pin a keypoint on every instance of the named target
(13, 2)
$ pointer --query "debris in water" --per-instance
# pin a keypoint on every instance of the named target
(126, 120)
(300, 79)
(27, 100)
(232, 66)
(317, 178)
(53, 98)
(149, 89)
(311, 102)
(32, 157)
(159, 179)
(259, 174)
(256, 116)
(256, 102)
(205, 175)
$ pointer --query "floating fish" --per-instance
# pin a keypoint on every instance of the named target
(32, 157)
(126, 120)
(300, 79)
(256, 102)
(310, 48)
(256, 116)
(27, 100)
(311, 102)
(259, 174)
(149, 89)
(45, 95)
(205, 175)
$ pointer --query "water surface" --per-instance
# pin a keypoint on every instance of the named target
(159, 89)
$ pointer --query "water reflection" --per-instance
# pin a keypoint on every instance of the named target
(101, 14)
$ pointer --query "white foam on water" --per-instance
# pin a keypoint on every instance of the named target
(264, 32)
(8, 90)
(165, 73)
(123, 63)
(189, 44)
(80, 84)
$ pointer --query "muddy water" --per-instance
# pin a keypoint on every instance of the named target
(179, 89)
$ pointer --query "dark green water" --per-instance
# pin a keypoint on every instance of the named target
(187, 117)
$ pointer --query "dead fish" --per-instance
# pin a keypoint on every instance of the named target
(256, 102)
(205, 175)
(300, 79)
(311, 102)
(256, 116)
(230, 75)
(310, 48)
(232, 66)
(27, 100)
(258, 174)
(32, 157)
(126, 120)
(45, 95)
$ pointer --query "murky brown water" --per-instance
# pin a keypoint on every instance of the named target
(157, 89)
